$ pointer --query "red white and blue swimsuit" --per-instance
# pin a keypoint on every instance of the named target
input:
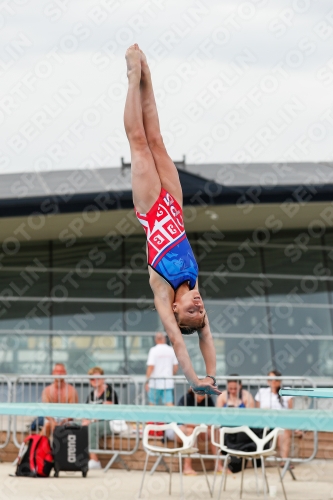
(169, 251)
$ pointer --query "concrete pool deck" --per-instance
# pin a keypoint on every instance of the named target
(314, 482)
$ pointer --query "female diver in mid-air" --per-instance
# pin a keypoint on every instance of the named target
(158, 197)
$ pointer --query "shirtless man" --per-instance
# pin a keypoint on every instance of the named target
(57, 392)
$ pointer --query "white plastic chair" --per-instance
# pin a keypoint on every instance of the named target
(260, 452)
(188, 448)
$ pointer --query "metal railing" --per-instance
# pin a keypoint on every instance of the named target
(251, 385)
(5, 421)
(29, 389)
(104, 437)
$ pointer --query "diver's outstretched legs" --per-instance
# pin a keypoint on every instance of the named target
(165, 167)
(146, 184)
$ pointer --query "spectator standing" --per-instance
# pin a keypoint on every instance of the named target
(58, 392)
(102, 393)
(162, 364)
(269, 398)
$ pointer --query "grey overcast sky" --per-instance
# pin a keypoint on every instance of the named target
(235, 81)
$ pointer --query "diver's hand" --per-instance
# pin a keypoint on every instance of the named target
(206, 386)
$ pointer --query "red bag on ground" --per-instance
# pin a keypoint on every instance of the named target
(35, 458)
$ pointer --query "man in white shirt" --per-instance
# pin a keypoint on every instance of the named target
(162, 364)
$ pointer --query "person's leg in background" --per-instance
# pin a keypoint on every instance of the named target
(167, 397)
(96, 430)
(152, 396)
(203, 437)
(215, 449)
(187, 463)
(48, 427)
(284, 443)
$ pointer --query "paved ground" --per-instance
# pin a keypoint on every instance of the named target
(314, 482)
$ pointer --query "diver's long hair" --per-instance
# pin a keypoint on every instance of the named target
(189, 329)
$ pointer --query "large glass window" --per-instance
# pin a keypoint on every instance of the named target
(89, 316)
(298, 356)
(25, 353)
(269, 303)
(238, 317)
(79, 353)
(231, 258)
(17, 317)
(308, 290)
(85, 284)
(100, 253)
(293, 260)
(22, 254)
(226, 287)
(290, 319)
(251, 355)
(28, 282)
(137, 348)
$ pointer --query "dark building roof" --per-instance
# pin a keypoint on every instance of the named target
(215, 184)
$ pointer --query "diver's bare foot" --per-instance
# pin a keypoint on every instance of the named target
(145, 71)
(133, 60)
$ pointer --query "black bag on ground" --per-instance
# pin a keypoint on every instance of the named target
(235, 463)
(70, 448)
(242, 442)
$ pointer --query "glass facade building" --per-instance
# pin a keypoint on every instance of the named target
(269, 299)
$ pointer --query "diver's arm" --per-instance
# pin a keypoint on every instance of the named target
(207, 348)
(171, 328)
(204, 386)
(163, 299)
(206, 344)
